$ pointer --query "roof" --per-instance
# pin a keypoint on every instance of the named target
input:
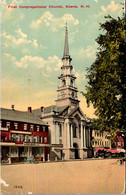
(49, 109)
(20, 116)
(78, 109)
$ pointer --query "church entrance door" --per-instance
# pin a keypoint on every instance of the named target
(75, 145)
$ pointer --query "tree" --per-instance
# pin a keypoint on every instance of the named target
(105, 89)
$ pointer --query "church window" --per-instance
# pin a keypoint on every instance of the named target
(60, 130)
(71, 82)
(63, 82)
(74, 131)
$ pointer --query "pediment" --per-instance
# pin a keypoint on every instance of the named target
(78, 113)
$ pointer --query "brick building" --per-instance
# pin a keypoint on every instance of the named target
(23, 135)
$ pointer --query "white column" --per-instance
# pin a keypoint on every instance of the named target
(89, 138)
(55, 133)
(43, 154)
(81, 126)
(84, 138)
(71, 136)
(68, 134)
(48, 157)
(28, 152)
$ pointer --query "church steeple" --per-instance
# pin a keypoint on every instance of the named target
(66, 46)
(67, 91)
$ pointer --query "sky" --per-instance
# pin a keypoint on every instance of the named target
(33, 44)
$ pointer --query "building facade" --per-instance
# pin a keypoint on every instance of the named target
(100, 139)
(69, 128)
(23, 135)
(118, 142)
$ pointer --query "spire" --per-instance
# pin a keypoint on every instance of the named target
(66, 47)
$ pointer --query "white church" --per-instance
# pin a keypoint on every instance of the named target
(69, 128)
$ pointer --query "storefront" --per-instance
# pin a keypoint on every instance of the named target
(12, 153)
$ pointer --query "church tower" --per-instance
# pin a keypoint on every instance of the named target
(67, 91)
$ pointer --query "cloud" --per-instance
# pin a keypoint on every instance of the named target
(54, 22)
(112, 8)
(21, 39)
(51, 64)
(20, 33)
(86, 53)
(10, 56)
(30, 61)
(89, 52)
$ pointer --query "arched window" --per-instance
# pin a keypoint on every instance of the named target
(63, 82)
(71, 82)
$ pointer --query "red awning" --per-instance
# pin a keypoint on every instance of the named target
(97, 149)
(113, 151)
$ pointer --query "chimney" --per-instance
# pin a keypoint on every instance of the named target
(30, 109)
(12, 106)
(42, 109)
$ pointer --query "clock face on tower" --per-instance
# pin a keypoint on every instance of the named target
(63, 94)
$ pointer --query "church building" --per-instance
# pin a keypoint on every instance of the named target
(69, 128)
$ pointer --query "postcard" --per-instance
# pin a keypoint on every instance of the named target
(47, 144)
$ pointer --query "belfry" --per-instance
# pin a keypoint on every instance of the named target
(67, 91)
(69, 128)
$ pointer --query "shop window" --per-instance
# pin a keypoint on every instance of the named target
(38, 138)
(41, 139)
(60, 130)
(26, 138)
(31, 127)
(32, 138)
(118, 143)
(15, 125)
(7, 124)
(22, 138)
(45, 139)
(37, 128)
(25, 127)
